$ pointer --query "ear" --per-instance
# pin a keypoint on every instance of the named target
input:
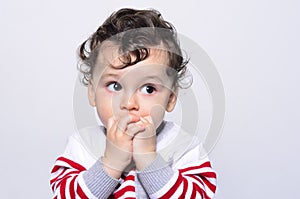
(91, 94)
(172, 100)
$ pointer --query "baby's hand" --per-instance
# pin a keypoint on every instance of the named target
(119, 144)
(144, 144)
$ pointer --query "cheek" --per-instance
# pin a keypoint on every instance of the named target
(104, 109)
(154, 108)
(104, 114)
(157, 114)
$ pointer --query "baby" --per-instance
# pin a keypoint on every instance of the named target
(132, 66)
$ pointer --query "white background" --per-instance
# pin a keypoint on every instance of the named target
(254, 44)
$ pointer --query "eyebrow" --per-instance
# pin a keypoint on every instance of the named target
(109, 75)
(155, 78)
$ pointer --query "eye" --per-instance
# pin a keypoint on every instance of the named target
(148, 89)
(114, 86)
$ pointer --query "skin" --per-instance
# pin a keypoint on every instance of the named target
(131, 103)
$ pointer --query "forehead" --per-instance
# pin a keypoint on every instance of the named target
(109, 55)
(109, 63)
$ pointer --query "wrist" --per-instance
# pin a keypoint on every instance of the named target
(113, 168)
(143, 160)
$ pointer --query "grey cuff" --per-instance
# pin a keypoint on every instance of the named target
(99, 182)
(156, 175)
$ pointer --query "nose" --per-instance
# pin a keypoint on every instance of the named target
(129, 102)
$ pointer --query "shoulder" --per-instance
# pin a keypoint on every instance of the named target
(175, 144)
(84, 146)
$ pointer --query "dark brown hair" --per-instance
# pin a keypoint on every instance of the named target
(135, 32)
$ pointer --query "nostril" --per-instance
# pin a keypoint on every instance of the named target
(129, 102)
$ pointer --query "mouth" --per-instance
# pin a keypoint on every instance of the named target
(134, 116)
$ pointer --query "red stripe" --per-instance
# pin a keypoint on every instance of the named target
(122, 191)
(72, 188)
(66, 175)
(211, 186)
(206, 164)
(62, 180)
(198, 189)
(209, 174)
(193, 192)
(81, 193)
(72, 163)
(173, 188)
(58, 176)
(201, 191)
(57, 182)
(63, 188)
(55, 168)
(203, 181)
(197, 179)
(185, 187)
(129, 177)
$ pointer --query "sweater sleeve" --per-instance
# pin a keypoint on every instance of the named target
(190, 178)
(76, 174)
(71, 180)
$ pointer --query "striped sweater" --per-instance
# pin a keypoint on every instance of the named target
(179, 171)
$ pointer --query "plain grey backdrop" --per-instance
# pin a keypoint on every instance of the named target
(254, 45)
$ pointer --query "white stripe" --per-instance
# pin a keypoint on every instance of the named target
(196, 182)
(127, 183)
(205, 188)
(128, 194)
(56, 173)
(198, 171)
(61, 177)
(67, 188)
(62, 164)
(57, 193)
(178, 192)
(198, 195)
(212, 180)
(189, 189)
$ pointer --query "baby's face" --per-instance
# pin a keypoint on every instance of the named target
(140, 90)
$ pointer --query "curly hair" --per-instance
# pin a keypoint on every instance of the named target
(134, 32)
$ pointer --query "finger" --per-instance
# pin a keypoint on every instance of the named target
(147, 120)
(124, 121)
(150, 129)
(111, 126)
(110, 123)
(133, 129)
